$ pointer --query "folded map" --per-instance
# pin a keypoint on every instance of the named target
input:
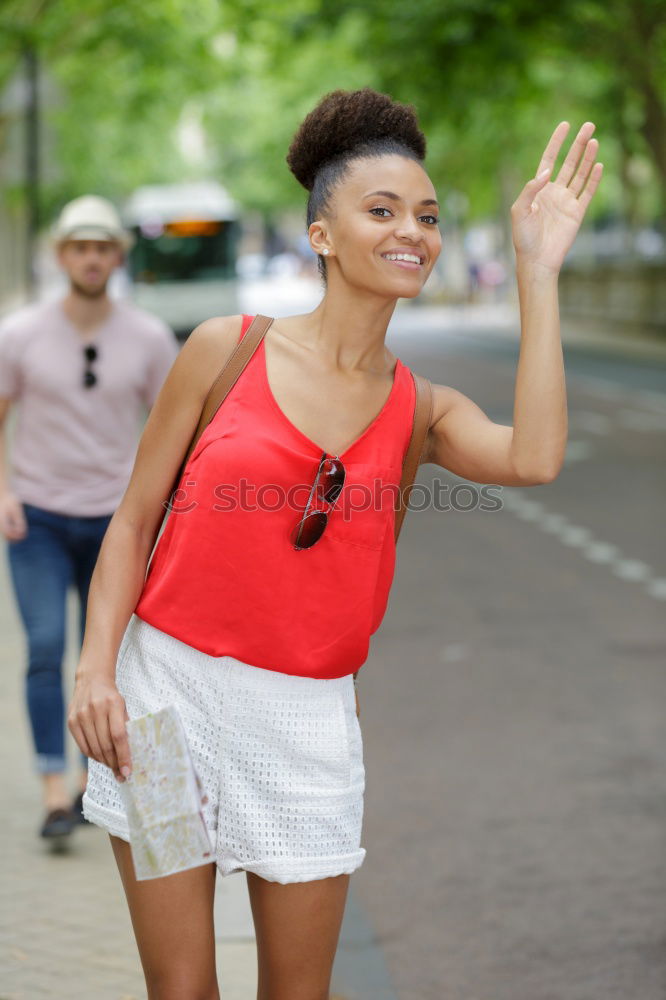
(163, 798)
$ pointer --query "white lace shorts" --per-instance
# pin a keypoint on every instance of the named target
(280, 757)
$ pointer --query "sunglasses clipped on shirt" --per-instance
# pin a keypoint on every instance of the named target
(90, 354)
(328, 483)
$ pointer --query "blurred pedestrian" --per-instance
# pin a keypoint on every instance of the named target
(492, 276)
(80, 371)
(254, 617)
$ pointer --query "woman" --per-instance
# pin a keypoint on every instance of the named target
(253, 636)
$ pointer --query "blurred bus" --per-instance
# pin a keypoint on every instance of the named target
(183, 264)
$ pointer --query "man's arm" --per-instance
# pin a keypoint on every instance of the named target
(12, 519)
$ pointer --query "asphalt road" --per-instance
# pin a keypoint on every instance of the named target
(513, 707)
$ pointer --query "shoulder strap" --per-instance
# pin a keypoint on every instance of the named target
(227, 378)
(420, 427)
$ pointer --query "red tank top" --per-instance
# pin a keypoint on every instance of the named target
(225, 577)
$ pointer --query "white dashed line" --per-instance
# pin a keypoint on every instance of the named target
(592, 423)
(577, 451)
(615, 392)
(554, 523)
(574, 536)
(608, 390)
(635, 420)
(657, 400)
(453, 652)
(594, 550)
(632, 569)
(657, 588)
(601, 552)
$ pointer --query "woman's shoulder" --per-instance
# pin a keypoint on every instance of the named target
(216, 332)
(202, 356)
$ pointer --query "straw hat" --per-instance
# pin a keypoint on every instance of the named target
(91, 218)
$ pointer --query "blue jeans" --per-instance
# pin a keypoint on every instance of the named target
(57, 552)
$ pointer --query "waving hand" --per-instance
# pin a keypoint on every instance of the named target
(547, 213)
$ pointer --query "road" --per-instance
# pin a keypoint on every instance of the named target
(512, 707)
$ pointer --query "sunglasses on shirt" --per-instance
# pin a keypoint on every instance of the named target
(89, 378)
(328, 483)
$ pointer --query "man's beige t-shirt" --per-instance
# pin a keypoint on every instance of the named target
(73, 447)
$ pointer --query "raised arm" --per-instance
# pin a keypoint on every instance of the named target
(97, 713)
(545, 219)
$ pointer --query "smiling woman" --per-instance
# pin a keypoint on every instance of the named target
(256, 633)
(353, 130)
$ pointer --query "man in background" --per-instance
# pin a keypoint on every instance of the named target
(81, 372)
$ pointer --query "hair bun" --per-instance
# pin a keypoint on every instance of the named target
(344, 120)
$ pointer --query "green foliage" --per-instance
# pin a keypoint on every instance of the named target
(255, 111)
(490, 80)
(120, 74)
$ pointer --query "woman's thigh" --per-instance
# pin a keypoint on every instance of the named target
(297, 927)
(173, 924)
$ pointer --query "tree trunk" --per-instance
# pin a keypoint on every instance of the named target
(32, 163)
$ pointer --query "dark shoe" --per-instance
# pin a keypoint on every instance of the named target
(58, 823)
(77, 809)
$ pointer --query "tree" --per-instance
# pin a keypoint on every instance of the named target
(122, 73)
(491, 78)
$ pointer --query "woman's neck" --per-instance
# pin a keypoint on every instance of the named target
(349, 329)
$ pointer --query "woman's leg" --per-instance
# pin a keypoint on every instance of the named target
(297, 927)
(173, 924)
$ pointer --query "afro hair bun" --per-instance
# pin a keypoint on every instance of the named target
(345, 120)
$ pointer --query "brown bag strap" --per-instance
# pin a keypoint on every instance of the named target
(420, 426)
(227, 378)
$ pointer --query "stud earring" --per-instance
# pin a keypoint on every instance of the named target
(325, 251)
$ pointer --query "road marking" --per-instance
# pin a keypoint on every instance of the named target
(574, 536)
(593, 423)
(554, 523)
(608, 390)
(577, 451)
(453, 652)
(601, 552)
(635, 420)
(593, 549)
(615, 392)
(646, 421)
(657, 588)
(632, 569)
(652, 398)
(528, 510)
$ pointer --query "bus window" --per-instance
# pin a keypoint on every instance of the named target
(185, 250)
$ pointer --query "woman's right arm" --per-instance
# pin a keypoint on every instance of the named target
(97, 713)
